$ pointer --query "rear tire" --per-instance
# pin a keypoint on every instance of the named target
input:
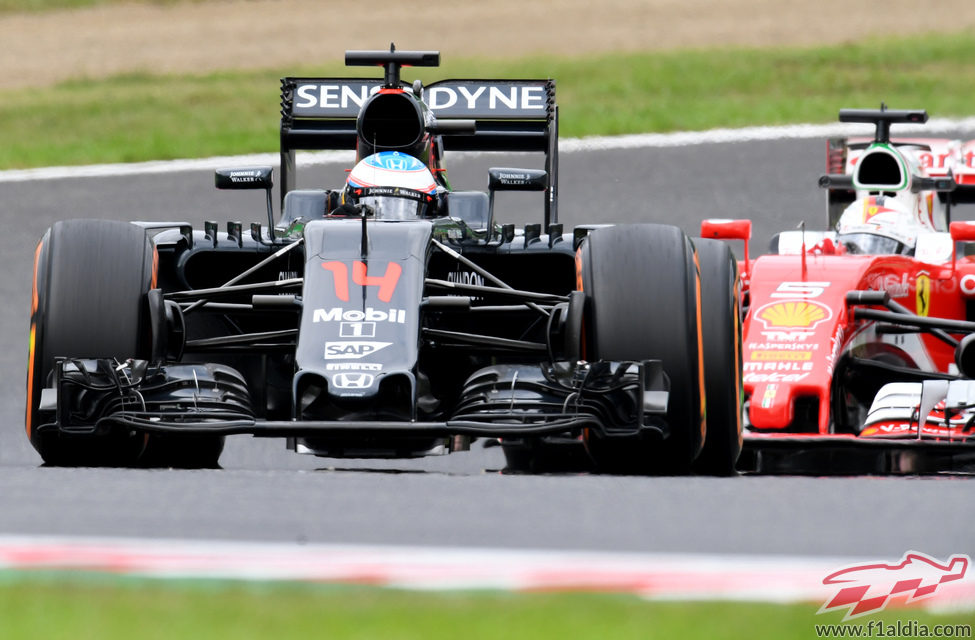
(721, 319)
(91, 278)
(643, 302)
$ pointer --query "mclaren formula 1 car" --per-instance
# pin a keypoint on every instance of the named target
(857, 347)
(391, 316)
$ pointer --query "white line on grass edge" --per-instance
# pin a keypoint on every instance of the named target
(566, 145)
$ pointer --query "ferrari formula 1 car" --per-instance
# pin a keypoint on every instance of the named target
(392, 316)
(855, 350)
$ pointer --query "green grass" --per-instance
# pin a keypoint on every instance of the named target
(141, 116)
(59, 607)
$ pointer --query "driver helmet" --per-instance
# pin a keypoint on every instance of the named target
(394, 186)
(877, 225)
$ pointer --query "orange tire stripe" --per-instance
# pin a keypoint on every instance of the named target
(28, 420)
(700, 350)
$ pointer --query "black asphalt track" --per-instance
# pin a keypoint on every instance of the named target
(265, 492)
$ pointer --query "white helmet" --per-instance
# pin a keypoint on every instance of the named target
(394, 186)
(877, 225)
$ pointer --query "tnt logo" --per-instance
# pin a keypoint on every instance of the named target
(867, 588)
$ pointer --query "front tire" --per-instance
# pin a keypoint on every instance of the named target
(721, 318)
(643, 302)
(91, 278)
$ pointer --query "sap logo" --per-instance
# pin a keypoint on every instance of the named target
(484, 97)
(355, 315)
(352, 350)
(353, 380)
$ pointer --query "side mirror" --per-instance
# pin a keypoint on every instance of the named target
(961, 231)
(248, 178)
(724, 229)
(503, 179)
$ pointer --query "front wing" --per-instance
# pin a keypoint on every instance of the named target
(847, 454)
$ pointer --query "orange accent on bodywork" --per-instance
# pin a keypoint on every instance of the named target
(579, 287)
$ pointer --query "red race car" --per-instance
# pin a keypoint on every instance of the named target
(857, 347)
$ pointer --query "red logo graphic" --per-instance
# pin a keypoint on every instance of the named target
(360, 276)
(866, 588)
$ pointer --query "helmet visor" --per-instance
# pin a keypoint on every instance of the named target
(395, 203)
(391, 208)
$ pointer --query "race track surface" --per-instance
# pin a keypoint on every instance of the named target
(266, 493)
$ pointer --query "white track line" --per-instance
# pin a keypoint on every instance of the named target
(566, 145)
(667, 576)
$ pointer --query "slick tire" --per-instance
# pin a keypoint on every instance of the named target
(721, 321)
(91, 278)
(643, 302)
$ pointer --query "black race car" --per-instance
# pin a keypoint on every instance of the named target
(394, 316)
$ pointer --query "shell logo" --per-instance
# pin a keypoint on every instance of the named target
(793, 314)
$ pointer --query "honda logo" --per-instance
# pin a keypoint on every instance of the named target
(353, 380)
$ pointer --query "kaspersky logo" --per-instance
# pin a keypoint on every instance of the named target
(793, 314)
(867, 588)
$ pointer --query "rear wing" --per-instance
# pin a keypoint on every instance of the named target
(509, 115)
(941, 158)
